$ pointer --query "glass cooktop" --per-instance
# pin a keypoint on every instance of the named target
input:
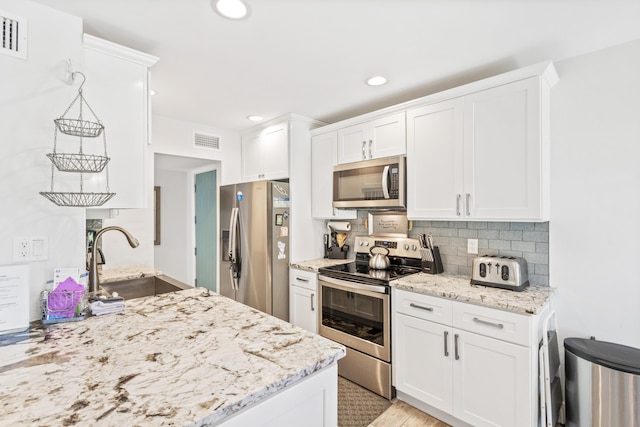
(360, 271)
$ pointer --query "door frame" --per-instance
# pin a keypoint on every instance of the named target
(191, 214)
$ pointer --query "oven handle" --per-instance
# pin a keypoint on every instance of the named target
(379, 289)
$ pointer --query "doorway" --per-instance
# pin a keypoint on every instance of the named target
(176, 177)
(206, 221)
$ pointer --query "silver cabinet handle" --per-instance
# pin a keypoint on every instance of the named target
(312, 297)
(455, 341)
(364, 150)
(446, 343)
(458, 196)
(370, 142)
(302, 279)
(484, 322)
(421, 307)
(467, 203)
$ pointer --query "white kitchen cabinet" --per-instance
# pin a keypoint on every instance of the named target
(382, 137)
(265, 153)
(324, 156)
(117, 89)
(486, 154)
(303, 299)
(475, 364)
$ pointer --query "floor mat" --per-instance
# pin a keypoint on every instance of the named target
(357, 406)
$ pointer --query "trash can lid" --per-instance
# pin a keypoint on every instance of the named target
(607, 354)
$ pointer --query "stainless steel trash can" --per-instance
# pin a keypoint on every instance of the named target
(602, 384)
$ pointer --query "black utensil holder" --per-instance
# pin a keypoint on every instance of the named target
(435, 266)
(336, 252)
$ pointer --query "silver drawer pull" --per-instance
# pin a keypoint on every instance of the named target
(421, 307)
(484, 322)
(302, 279)
(312, 297)
(446, 343)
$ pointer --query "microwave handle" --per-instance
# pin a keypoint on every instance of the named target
(385, 182)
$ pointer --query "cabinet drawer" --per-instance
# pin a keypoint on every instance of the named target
(503, 325)
(304, 279)
(422, 306)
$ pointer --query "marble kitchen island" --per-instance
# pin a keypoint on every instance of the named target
(188, 358)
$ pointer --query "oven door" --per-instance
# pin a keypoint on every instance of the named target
(356, 315)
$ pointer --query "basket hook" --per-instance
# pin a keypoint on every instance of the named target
(84, 78)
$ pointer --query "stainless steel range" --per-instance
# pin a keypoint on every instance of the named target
(356, 308)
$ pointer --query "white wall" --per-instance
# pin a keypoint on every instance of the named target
(595, 183)
(171, 136)
(174, 252)
(33, 92)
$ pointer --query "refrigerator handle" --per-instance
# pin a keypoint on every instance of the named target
(234, 267)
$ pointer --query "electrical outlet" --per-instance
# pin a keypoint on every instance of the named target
(472, 246)
(21, 249)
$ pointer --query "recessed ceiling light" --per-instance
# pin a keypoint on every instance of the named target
(376, 81)
(231, 9)
(255, 118)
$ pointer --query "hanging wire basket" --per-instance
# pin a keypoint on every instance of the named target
(78, 162)
(76, 127)
(77, 199)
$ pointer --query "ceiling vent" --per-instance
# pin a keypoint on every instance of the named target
(14, 35)
(203, 140)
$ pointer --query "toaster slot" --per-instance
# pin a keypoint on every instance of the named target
(504, 272)
(483, 269)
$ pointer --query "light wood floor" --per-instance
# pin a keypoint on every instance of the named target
(401, 414)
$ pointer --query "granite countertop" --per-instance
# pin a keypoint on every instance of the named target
(316, 264)
(530, 301)
(114, 274)
(187, 358)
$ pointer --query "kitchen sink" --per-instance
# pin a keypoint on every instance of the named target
(144, 286)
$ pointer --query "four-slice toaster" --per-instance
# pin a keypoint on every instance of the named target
(500, 272)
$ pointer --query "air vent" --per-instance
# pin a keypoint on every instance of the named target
(206, 141)
(14, 35)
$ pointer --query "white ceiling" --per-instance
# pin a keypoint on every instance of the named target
(311, 57)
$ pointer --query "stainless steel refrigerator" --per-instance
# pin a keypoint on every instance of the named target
(254, 266)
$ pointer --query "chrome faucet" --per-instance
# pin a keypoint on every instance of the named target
(93, 265)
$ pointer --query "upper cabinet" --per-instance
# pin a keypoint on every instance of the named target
(265, 153)
(481, 156)
(117, 88)
(323, 159)
(382, 137)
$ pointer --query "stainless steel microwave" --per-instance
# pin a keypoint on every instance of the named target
(371, 184)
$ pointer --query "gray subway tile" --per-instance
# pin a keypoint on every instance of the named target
(535, 236)
(499, 226)
(542, 226)
(500, 245)
(488, 234)
(535, 258)
(510, 235)
(517, 254)
(542, 247)
(466, 233)
(477, 225)
(541, 269)
(523, 246)
(522, 226)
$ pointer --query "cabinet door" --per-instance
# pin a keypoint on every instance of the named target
(303, 305)
(434, 161)
(352, 143)
(252, 158)
(422, 361)
(503, 152)
(491, 381)
(324, 157)
(116, 89)
(388, 136)
(275, 151)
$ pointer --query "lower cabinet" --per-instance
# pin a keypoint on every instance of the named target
(447, 356)
(303, 299)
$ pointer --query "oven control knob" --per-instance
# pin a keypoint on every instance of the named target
(361, 243)
(414, 248)
(406, 247)
(366, 243)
